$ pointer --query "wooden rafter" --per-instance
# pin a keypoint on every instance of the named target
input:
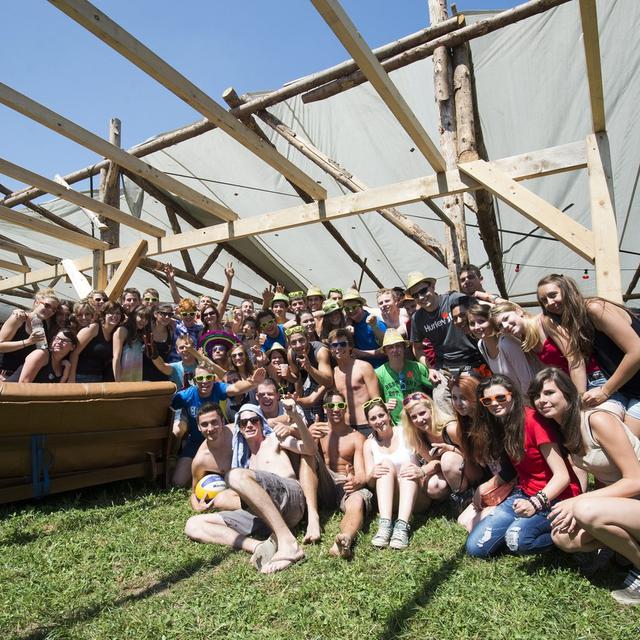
(175, 226)
(129, 264)
(548, 162)
(124, 43)
(14, 266)
(345, 30)
(28, 222)
(208, 263)
(16, 247)
(77, 198)
(533, 207)
(591, 41)
(30, 108)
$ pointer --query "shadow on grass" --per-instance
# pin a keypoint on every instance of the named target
(66, 622)
(400, 617)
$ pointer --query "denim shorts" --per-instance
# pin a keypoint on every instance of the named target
(631, 406)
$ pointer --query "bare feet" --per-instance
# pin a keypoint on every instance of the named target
(283, 560)
(312, 536)
(342, 546)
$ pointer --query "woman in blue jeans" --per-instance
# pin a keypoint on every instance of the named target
(504, 424)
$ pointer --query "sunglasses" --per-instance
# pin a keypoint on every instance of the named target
(245, 421)
(188, 314)
(49, 306)
(164, 314)
(422, 292)
(291, 330)
(373, 401)
(342, 343)
(100, 299)
(418, 395)
(63, 340)
(352, 308)
(402, 381)
(486, 401)
(240, 354)
(210, 313)
(218, 347)
(296, 294)
(150, 299)
(267, 323)
(207, 377)
(335, 405)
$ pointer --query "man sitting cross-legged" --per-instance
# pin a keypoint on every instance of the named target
(341, 469)
(270, 499)
(213, 456)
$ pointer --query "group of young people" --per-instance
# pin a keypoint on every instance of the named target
(527, 423)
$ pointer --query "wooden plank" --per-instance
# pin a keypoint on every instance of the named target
(14, 266)
(345, 30)
(92, 216)
(208, 263)
(175, 227)
(603, 218)
(413, 190)
(99, 271)
(80, 284)
(16, 247)
(22, 220)
(591, 41)
(77, 198)
(533, 207)
(71, 130)
(128, 265)
(124, 43)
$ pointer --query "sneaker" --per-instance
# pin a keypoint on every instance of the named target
(630, 595)
(383, 534)
(400, 536)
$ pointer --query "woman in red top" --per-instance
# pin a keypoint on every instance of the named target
(544, 474)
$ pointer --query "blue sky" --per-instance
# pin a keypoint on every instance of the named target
(251, 45)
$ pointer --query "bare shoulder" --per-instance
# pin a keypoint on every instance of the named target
(364, 367)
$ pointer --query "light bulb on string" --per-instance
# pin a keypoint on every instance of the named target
(517, 269)
(585, 275)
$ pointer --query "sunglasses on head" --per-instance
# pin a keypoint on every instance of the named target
(373, 401)
(206, 377)
(418, 395)
(150, 299)
(486, 401)
(252, 420)
(291, 330)
(335, 405)
(296, 294)
(420, 293)
(188, 314)
(341, 343)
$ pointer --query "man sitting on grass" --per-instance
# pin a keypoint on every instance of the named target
(341, 467)
(270, 499)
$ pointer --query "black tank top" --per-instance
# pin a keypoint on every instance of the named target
(96, 358)
(12, 361)
(46, 374)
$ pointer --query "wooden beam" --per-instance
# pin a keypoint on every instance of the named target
(14, 266)
(475, 30)
(551, 161)
(11, 303)
(345, 30)
(633, 283)
(533, 207)
(77, 198)
(22, 220)
(95, 220)
(208, 263)
(175, 226)
(124, 272)
(16, 247)
(99, 271)
(39, 113)
(45, 213)
(603, 218)
(124, 43)
(80, 284)
(109, 190)
(591, 42)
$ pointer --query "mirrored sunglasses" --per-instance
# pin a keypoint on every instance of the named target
(207, 377)
(335, 405)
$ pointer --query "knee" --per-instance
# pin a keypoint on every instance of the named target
(585, 512)
(565, 542)
(193, 528)
(237, 477)
(478, 543)
(451, 463)
(437, 487)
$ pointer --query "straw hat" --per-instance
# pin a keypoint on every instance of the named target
(415, 277)
(315, 291)
(280, 297)
(392, 336)
(276, 346)
(353, 295)
(329, 306)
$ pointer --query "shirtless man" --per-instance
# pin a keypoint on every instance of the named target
(355, 379)
(264, 480)
(345, 483)
(213, 456)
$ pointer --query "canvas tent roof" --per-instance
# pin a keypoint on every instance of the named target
(532, 93)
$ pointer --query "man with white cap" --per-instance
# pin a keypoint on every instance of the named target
(432, 321)
(399, 377)
(368, 330)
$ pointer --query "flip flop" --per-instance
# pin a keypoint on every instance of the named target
(263, 553)
(282, 564)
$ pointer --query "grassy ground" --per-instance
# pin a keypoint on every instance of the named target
(113, 563)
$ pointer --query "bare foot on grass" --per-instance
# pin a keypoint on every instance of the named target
(283, 559)
(342, 546)
(312, 536)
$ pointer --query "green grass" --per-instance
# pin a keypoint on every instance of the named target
(113, 563)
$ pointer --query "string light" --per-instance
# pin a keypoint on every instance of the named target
(517, 269)
(585, 275)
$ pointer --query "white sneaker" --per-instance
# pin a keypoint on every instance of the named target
(630, 595)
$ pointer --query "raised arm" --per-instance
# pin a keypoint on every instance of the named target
(305, 445)
(222, 305)
(171, 281)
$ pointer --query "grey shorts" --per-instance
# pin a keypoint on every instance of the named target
(285, 493)
(331, 489)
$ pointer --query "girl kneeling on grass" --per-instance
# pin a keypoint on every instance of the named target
(600, 443)
(392, 471)
(544, 473)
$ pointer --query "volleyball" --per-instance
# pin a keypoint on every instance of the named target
(210, 486)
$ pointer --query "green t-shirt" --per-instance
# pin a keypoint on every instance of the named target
(414, 377)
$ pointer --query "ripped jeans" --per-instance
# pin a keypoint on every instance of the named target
(504, 527)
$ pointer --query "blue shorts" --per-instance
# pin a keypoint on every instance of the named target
(630, 406)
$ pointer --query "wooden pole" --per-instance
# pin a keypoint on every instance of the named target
(453, 206)
(208, 263)
(109, 191)
(475, 30)
(633, 283)
(175, 226)
(469, 132)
